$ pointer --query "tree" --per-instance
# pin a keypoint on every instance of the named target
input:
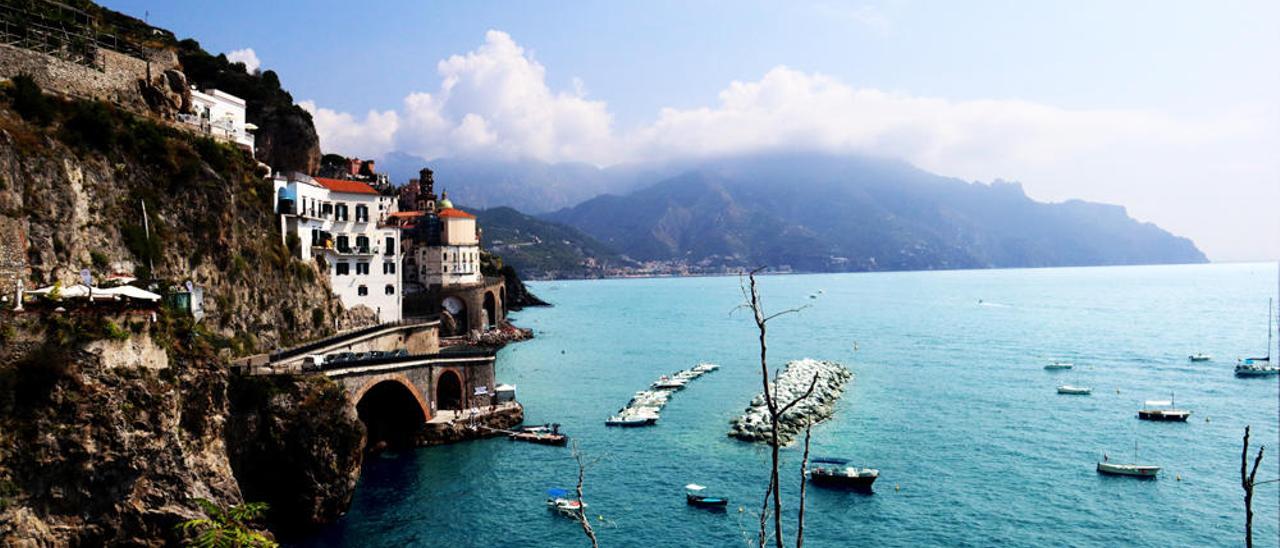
(226, 527)
(581, 514)
(1248, 481)
(751, 296)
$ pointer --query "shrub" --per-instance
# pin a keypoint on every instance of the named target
(92, 125)
(29, 101)
(226, 526)
(114, 332)
(100, 260)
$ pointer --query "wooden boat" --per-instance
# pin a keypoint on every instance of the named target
(693, 496)
(1132, 470)
(1163, 410)
(1199, 357)
(543, 435)
(1075, 390)
(835, 472)
(1058, 366)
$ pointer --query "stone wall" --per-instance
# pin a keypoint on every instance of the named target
(13, 255)
(113, 78)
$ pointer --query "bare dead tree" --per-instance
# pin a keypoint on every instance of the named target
(804, 466)
(1247, 481)
(752, 300)
(581, 514)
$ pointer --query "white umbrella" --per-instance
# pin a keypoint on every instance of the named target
(131, 292)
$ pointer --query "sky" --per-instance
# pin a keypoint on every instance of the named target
(1169, 108)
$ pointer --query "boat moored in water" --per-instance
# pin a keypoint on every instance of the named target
(1135, 470)
(542, 435)
(631, 419)
(1075, 390)
(1163, 410)
(835, 472)
(694, 496)
(1259, 367)
(558, 500)
(1199, 357)
(1058, 366)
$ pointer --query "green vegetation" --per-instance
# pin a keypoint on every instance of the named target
(100, 259)
(29, 101)
(227, 527)
(540, 248)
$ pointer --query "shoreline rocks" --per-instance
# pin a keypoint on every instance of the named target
(753, 425)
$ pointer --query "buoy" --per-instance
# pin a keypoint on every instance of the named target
(1206, 419)
(741, 510)
(897, 487)
(1178, 477)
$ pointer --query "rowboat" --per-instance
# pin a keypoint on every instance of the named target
(1132, 470)
(1075, 390)
(1058, 366)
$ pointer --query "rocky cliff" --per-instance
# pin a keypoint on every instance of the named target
(112, 424)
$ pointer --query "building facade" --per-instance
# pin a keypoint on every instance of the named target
(345, 225)
(221, 115)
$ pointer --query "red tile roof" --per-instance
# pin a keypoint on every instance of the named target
(350, 187)
(458, 213)
(407, 214)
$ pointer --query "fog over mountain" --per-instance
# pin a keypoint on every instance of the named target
(818, 212)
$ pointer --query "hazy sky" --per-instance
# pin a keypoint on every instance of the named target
(1171, 109)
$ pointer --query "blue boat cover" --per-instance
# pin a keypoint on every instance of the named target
(557, 492)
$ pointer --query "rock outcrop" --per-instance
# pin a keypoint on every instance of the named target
(791, 384)
(296, 444)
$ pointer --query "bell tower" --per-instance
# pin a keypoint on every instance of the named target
(426, 190)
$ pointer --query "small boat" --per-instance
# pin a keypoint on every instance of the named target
(1058, 366)
(1133, 470)
(632, 419)
(706, 367)
(694, 497)
(558, 500)
(837, 473)
(1075, 390)
(543, 435)
(1259, 367)
(1163, 410)
(1199, 357)
(667, 383)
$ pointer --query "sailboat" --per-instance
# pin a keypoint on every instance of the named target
(1259, 367)
(1134, 469)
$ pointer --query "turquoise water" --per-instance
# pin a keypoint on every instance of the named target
(950, 402)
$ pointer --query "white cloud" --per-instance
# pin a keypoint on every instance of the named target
(246, 56)
(495, 101)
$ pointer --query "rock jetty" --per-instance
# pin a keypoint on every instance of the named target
(794, 380)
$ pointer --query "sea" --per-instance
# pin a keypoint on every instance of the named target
(950, 401)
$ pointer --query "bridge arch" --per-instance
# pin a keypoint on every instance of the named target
(392, 409)
(457, 310)
(490, 310)
(449, 393)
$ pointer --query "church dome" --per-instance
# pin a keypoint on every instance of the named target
(444, 201)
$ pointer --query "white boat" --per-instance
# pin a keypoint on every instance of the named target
(631, 419)
(1075, 390)
(1163, 410)
(1056, 366)
(559, 501)
(1134, 470)
(1259, 367)
(1199, 357)
(667, 383)
(706, 367)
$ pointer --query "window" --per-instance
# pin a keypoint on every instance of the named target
(362, 214)
(340, 212)
(315, 236)
(388, 268)
(343, 245)
(391, 246)
(362, 244)
(362, 268)
(446, 269)
(445, 256)
(362, 290)
(391, 289)
(342, 269)
(327, 209)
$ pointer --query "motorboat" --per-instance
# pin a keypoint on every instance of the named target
(1199, 357)
(631, 419)
(667, 383)
(1058, 366)
(558, 500)
(1133, 470)
(1075, 390)
(542, 435)
(694, 496)
(706, 367)
(1163, 410)
(836, 472)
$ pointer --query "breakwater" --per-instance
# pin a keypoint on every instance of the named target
(753, 425)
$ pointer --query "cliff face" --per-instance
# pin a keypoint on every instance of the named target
(111, 426)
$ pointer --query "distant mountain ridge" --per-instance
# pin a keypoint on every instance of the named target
(822, 213)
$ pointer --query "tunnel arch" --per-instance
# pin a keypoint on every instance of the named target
(392, 410)
(490, 310)
(456, 308)
(449, 391)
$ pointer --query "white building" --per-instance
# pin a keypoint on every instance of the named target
(344, 224)
(454, 258)
(221, 115)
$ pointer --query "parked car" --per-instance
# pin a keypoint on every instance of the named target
(373, 354)
(314, 362)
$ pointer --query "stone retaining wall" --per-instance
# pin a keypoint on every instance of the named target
(113, 78)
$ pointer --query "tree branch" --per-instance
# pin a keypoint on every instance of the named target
(582, 508)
